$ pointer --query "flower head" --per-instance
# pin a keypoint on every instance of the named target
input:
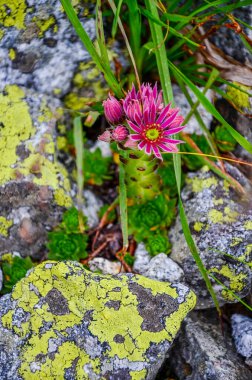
(105, 136)
(113, 110)
(120, 133)
(151, 121)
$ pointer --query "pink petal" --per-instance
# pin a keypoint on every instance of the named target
(148, 148)
(134, 126)
(155, 91)
(152, 113)
(156, 152)
(170, 119)
(173, 131)
(171, 141)
(135, 137)
(166, 147)
(146, 116)
(163, 114)
(141, 145)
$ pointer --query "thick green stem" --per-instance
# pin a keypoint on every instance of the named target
(123, 206)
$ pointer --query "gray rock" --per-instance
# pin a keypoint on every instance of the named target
(230, 42)
(192, 126)
(64, 322)
(34, 186)
(242, 335)
(92, 206)
(105, 266)
(39, 47)
(162, 268)
(221, 223)
(202, 352)
(142, 259)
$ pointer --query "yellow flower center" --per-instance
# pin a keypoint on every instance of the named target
(153, 132)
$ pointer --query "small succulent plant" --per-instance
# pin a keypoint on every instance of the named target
(67, 241)
(158, 243)
(14, 268)
(96, 169)
(223, 138)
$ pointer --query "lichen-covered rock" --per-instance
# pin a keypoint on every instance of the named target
(221, 224)
(64, 322)
(242, 334)
(203, 352)
(34, 187)
(39, 47)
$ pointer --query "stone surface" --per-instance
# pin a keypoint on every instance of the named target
(92, 205)
(64, 322)
(202, 352)
(142, 259)
(34, 187)
(221, 223)
(162, 268)
(242, 335)
(39, 47)
(105, 266)
(192, 126)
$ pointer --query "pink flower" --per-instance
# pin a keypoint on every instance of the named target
(151, 121)
(113, 110)
(105, 136)
(120, 133)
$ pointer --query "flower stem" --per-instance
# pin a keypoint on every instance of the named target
(123, 206)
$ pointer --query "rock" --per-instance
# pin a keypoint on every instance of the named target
(64, 322)
(34, 187)
(92, 205)
(162, 268)
(202, 352)
(192, 126)
(142, 259)
(242, 334)
(230, 42)
(105, 266)
(220, 223)
(39, 47)
(103, 146)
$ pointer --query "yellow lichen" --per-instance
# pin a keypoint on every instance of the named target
(62, 199)
(216, 216)
(44, 24)
(5, 224)
(248, 225)
(236, 281)
(12, 54)
(198, 226)
(12, 13)
(198, 184)
(83, 292)
(239, 98)
(61, 142)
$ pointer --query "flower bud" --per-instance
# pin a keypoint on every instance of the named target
(130, 144)
(105, 136)
(113, 110)
(120, 133)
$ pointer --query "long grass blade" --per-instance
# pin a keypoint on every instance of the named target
(79, 149)
(163, 69)
(108, 74)
(123, 206)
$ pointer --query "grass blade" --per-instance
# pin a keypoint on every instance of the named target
(123, 206)
(108, 74)
(164, 74)
(79, 149)
(115, 21)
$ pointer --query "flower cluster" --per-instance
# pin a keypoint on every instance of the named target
(141, 120)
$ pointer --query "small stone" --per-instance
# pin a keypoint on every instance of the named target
(105, 266)
(162, 268)
(92, 206)
(69, 323)
(142, 259)
(242, 334)
(103, 146)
